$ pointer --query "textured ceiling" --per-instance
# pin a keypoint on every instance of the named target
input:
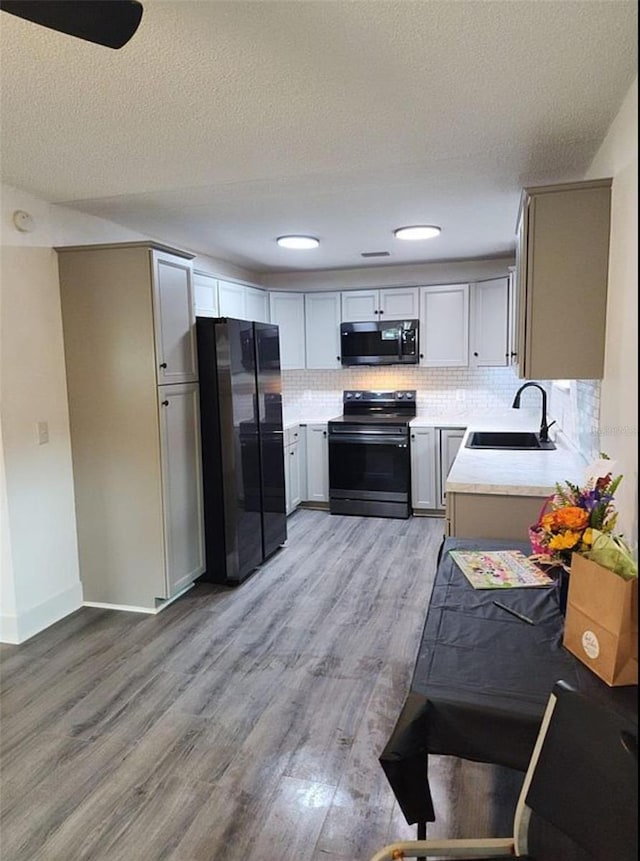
(224, 124)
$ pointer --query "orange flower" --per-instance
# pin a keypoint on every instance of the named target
(572, 518)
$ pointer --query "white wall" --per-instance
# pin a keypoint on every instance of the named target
(39, 578)
(618, 158)
(450, 272)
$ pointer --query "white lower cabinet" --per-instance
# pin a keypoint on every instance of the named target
(292, 468)
(423, 468)
(180, 460)
(433, 451)
(317, 445)
(449, 443)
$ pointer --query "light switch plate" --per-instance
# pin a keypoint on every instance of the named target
(42, 429)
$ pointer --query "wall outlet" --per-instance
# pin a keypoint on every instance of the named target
(42, 431)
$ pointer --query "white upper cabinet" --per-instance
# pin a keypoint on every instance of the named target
(489, 323)
(205, 294)
(322, 329)
(174, 319)
(399, 303)
(444, 326)
(360, 305)
(395, 303)
(231, 300)
(256, 304)
(287, 311)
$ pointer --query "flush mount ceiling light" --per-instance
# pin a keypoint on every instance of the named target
(417, 231)
(298, 242)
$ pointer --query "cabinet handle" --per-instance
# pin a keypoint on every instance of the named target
(165, 403)
(376, 312)
(292, 453)
(163, 365)
(513, 355)
(337, 358)
(475, 354)
(422, 355)
(380, 312)
(413, 436)
(324, 433)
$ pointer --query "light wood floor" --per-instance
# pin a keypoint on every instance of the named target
(237, 725)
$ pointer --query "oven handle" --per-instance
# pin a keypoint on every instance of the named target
(367, 439)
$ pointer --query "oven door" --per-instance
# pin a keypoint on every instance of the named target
(369, 465)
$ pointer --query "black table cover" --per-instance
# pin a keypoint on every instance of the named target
(482, 679)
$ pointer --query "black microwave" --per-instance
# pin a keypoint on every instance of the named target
(394, 342)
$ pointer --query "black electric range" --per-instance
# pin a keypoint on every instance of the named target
(369, 455)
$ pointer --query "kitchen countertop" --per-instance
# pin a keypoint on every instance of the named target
(319, 419)
(504, 472)
(513, 473)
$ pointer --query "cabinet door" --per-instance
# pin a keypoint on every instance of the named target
(174, 319)
(489, 315)
(317, 463)
(205, 294)
(512, 331)
(399, 303)
(322, 329)
(231, 300)
(360, 305)
(521, 286)
(292, 473)
(287, 311)
(563, 256)
(256, 304)
(450, 440)
(181, 485)
(423, 468)
(444, 326)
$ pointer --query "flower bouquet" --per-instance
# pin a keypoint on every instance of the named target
(574, 518)
(576, 532)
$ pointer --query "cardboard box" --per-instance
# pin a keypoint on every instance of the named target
(601, 623)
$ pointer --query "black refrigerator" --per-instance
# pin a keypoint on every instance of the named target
(242, 445)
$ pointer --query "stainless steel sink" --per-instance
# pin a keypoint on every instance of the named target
(511, 440)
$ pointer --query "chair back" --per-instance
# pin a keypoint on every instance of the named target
(585, 780)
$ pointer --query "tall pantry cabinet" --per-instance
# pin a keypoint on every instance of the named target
(132, 379)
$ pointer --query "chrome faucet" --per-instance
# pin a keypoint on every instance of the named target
(544, 427)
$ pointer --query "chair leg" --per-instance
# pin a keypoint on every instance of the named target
(422, 835)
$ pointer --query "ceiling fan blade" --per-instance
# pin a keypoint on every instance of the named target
(107, 22)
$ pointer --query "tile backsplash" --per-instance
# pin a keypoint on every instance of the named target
(576, 406)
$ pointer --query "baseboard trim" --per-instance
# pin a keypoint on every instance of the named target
(131, 608)
(18, 629)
